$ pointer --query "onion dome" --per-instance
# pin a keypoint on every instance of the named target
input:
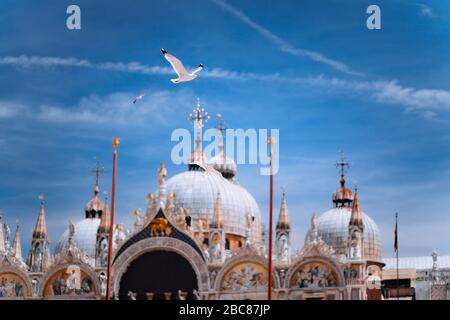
(95, 207)
(343, 196)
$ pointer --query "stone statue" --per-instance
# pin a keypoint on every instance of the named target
(103, 252)
(162, 173)
(7, 235)
(102, 278)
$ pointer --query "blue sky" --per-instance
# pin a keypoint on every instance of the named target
(310, 68)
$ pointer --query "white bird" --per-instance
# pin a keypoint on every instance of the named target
(177, 65)
(138, 98)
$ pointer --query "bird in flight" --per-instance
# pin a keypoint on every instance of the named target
(138, 98)
(177, 65)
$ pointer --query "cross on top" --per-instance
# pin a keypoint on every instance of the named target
(198, 116)
(98, 170)
(342, 164)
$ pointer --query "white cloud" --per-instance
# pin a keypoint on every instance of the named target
(425, 10)
(282, 44)
(115, 108)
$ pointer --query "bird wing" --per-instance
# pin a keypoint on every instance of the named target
(198, 69)
(176, 64)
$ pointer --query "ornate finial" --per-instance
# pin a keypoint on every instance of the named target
(198, 117)
(283, 190)
(341, 166)
(106, 197)
(98, 171)
(41, 198)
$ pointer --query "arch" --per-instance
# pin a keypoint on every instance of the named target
(133, 252)
(53, 272)
(292, 271)
(243, 260)
(5, 270)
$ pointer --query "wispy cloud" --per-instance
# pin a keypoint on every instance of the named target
(422, 101)
(425, 10)
(113, 109)
(284, 45)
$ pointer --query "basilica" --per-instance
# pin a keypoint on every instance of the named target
(201, 237)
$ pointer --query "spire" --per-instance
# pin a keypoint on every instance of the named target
(356, 218)
(2, 237)
(198, 118)
(40, 230)
(283, 218)
(17, 248)
(105, 221)
(217, 221)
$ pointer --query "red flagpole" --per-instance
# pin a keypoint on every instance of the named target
(269, 289)
(111, 226)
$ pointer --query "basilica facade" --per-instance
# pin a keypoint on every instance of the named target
(201, 237)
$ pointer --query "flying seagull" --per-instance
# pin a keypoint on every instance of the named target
(138, 98)
(177, 65)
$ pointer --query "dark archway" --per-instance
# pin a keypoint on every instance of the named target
(158, 272)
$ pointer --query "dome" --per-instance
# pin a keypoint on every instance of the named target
(225, 165)
(85, 236)
(197, 191)
(332, 227)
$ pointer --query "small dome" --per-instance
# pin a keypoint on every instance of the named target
(85, 237)
(225, 165)
(332, 227)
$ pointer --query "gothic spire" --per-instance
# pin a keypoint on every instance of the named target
(217, 221)
(105, 221)
(356, 217)
(17, 248)
(283, 218)
(40, 230)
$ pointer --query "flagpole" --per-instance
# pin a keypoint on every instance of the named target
(111, 226)
(396, 251)
(269, 289)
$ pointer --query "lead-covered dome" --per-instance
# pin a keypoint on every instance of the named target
(332, 227)
(197, 191)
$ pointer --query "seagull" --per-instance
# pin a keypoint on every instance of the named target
(138, 98)
(177, 65)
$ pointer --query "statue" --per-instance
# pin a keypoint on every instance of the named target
(138, 219)
(170, 203)
(37, 263)
(213, 276)
(314, 233)
(7, 235)
(102, 278)
(103, 252)
(162, 173)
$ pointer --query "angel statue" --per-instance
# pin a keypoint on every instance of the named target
(138, 218)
